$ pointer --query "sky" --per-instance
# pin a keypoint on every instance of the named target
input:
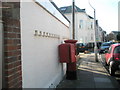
(106, 11)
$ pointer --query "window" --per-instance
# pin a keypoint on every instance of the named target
(91, 25)
(63, 9)
(91, 36)
(88, 25)
(106, 44)
(81, 24)
(110, 50)
(117, 49)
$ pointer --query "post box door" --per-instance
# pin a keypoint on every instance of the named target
(64, 54)
(72, 53)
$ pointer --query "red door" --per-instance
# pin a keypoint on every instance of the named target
(109, 54)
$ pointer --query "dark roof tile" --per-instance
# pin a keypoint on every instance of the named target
(68, 9)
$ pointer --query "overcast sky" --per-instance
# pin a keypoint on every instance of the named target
(106, 11)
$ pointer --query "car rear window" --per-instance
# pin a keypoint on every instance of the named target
(80, 44)
(106, 44)
(117, 49)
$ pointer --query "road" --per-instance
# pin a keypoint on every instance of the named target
(117, 74)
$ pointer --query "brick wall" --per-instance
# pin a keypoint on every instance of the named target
(12, 45)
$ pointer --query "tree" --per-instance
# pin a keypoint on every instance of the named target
(111, 37)
(118, 37)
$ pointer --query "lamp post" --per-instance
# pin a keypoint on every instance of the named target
(71, 72)
(73, 19)
(95, 48)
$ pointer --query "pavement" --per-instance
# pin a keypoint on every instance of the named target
(90, 74)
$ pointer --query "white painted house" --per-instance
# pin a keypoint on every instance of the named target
(119, 16)
(43, 28)
(84, 24)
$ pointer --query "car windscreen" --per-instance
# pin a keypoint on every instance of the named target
(117, 49)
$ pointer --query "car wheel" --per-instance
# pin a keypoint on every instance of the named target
(106, 63)
(99, 53)
(111, 70)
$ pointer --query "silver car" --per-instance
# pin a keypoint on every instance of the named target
(104, 46)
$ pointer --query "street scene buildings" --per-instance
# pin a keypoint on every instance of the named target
(84, 25)
(30, 33)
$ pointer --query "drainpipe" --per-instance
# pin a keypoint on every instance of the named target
(2, 46)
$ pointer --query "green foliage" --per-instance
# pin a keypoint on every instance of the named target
(118, 37)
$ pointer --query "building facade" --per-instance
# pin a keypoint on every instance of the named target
(112, 36)
(119, 16)
(84, 24)
(101, 35)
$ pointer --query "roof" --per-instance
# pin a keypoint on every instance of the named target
(116, 44)
(115, 32)
(68, 9)
(90, 17)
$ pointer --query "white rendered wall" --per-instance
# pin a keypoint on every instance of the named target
(40, 60)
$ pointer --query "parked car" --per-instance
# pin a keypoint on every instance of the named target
(104, 46)
(90, 46)
(80, 47)
(112, 57)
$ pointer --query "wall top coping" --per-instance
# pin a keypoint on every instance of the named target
(52, 10)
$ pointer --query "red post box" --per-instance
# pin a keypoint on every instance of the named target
(67, 53)
(71, 41)
(71, 73)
